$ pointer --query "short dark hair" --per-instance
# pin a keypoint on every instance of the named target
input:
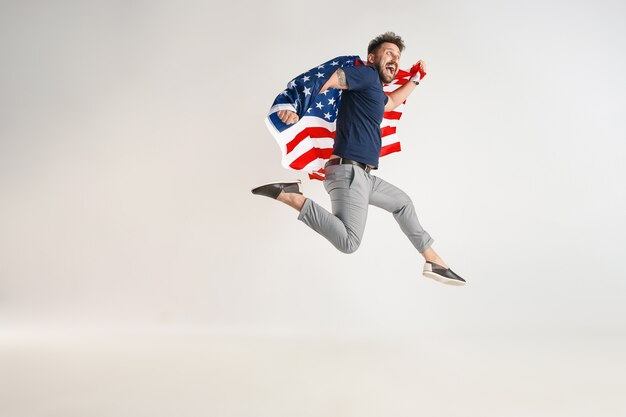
(385, 37)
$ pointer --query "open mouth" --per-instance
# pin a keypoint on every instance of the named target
(391, 69)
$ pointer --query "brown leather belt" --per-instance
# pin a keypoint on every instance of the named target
(342, 161)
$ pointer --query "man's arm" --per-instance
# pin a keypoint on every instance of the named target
(337, 80)
(398, 96)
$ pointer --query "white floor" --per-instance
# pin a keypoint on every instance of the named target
(198, 374)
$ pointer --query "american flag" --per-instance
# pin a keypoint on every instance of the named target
(308, 144)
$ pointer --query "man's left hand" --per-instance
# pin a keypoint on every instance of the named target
(422, 66)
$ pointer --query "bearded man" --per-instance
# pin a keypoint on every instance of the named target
(348, 173)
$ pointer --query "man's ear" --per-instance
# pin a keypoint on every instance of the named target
(370, 58)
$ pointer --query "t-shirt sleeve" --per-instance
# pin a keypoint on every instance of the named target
(361, 77)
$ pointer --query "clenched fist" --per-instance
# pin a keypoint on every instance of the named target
(422, 66)
(288, 117)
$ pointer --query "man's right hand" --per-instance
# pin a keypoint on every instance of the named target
(288, 117)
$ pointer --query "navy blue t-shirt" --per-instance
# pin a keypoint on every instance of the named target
(360, 115)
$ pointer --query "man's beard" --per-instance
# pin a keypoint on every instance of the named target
(383, 74)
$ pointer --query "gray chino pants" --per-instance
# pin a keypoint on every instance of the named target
(351, 190)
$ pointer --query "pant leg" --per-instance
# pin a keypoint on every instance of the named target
(348, 189)
(394, 200)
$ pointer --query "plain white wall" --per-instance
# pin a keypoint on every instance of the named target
(132, 133)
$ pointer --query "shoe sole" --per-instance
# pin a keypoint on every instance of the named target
(443, 280)
(277, 182)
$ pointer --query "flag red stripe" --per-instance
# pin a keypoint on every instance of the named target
(388, 130)
(309, 132)
(317, 175)
(401, 73)
(393, 115)
(386, 150)
(310, 156)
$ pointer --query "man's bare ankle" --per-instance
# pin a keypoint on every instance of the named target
(440, 262)
(436, 260)
(292, 199)
(282, 197)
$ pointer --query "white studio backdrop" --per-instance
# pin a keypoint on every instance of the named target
(132, 133)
